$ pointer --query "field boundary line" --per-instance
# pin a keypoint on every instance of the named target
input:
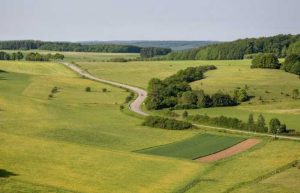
(265, 176)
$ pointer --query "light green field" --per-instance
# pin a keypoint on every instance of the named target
(81, 142)
(77, 141)
(84, 56)
(194, 147)
(228, 76)
(287, 181)
(229, 174)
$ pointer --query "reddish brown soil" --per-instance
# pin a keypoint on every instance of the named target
(247, 144)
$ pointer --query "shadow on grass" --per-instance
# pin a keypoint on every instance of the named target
(2, 71)
(6, 174)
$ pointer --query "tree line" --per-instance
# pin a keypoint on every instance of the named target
(280, 45)
(33, 56)
(66, 46)
(166, 123)
(176, 93)
(274, 127)
(12, 56)
(77, 47)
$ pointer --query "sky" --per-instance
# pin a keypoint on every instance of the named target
(87, 20)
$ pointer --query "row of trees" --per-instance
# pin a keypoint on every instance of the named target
(43, 57)
(66, 46)
(198, 99)
(150, 52)
(280, 45)
(31, 56)
(275, 126)
(12, 56)
(166, 123)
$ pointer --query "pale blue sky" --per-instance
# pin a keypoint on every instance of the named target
(78, 20)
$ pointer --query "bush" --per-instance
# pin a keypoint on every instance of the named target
(166, 123)
(118, 60)
(88, 89)
(129, 97)
(185, 114)
(266, 61)
(220, 100)
(104, 90)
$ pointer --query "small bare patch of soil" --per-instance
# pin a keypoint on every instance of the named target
(247, 144)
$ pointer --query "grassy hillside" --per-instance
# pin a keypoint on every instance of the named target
(228, 175)
(273, 87)
(77, 136)
(78, 141)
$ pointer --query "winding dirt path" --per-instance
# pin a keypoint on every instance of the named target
(135, 106)
(240, 147)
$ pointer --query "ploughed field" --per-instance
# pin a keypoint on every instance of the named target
(271, 89)
(78, 141)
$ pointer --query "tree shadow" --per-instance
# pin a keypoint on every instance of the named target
(3, 71)
(6, 174)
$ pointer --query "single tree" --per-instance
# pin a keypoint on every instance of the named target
(250, 122)
(274, 126)
(261, 123)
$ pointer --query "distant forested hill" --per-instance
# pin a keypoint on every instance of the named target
(278, 45)
(174, 45)
(67, 46)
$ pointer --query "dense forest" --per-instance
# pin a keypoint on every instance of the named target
(173, 45)
(280, 45)
(66, 46)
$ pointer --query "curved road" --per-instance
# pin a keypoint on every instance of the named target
(135, 106)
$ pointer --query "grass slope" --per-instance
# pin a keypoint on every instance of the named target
(287, 181)
(77, 141)
(273, 86)
(194, 147)
(230, 173)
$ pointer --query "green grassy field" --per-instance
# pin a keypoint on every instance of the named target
(228, 175)
(77, 140)
(287, 181)
(273, 86)
(80, 141)
(194, 147)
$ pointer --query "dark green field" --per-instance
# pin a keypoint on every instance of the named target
(195, 147)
